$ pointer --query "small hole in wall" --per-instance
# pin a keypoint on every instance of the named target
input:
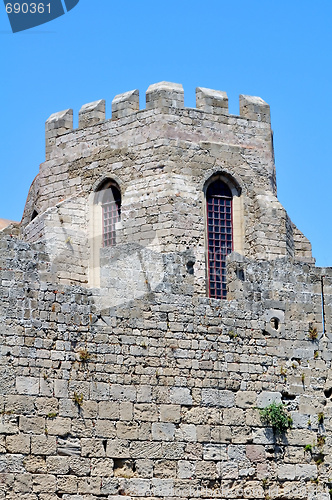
(287, 397)
(328, 393)
(274, 322)
(240, 274)
(190, 267)
(124, 467)
(34, 214)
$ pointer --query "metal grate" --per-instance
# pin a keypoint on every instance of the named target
(220, 237)
(111, 215)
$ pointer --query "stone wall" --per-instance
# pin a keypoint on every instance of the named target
(159, 396)
(143, 387)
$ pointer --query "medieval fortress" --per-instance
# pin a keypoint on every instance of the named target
(156, 303)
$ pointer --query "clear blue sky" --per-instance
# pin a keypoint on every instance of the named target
(279, 50)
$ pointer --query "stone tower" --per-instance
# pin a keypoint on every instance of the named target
(156, 298)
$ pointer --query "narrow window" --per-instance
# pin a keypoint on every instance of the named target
(219, 235)
(111, 210)
(34, 214)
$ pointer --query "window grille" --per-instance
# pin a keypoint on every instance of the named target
(219, 235)
(111, 209)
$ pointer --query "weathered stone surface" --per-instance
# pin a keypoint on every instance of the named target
(91, 113)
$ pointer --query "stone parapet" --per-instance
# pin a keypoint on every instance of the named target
(125, 104)
(56, 125)
(91, 113)
(165, 97)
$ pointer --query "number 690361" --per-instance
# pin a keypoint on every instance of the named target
(28, 8)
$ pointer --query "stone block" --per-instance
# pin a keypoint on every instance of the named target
(92, 447)
(263, 436)
(145, 412)
(126, 411)
(27, 385)
(9, 424)
(206, 470)
(163, 431)
(18, 443)
(58, 426)
(236, 452)
(122, 393)
(145, 449)
(35, 465)
(43, 445)
(255, 453)
(99, 391)
(125, 104)
(228, 470)
(44, 483)
(172, 450)
(162, 487)
(186, 469)
(56, 125)
(212, 101)
(215, 452)
(109, 410)
(234, 416)
(67, 485)
(118, 448)
(105, 428)
(186, 432)
(12, 464)
(57, 465)
(79, 466)
(170, 413)
(32, 425)
(266, 398)
(144, 468)
(61, 388)
(91, 113)
(181, 396)
(69, 446)
(144, 394)
(203, 433)
(305, 472)
(165, 96)
(254, 108)
(102, 467)
(216, 397)
(165, 469)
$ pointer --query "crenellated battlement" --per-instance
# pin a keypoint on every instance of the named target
(164, 97)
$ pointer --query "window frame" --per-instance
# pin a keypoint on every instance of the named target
(109, 232)
(95, 224)
(237, 220)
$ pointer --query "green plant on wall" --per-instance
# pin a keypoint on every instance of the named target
(320, 418)
(276, 417)
(320, 441)
(78, 399)
(232, 334)
(313, 333)
(84, 355)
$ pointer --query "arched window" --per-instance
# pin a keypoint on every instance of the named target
(104, 214)
(219, 235)
(111, 211)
